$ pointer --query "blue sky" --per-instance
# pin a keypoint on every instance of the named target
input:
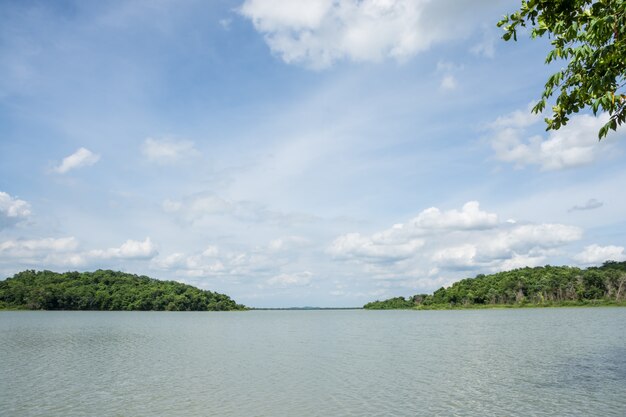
(292, 153)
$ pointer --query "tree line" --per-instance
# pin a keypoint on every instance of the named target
(105, 290)
(541, 286)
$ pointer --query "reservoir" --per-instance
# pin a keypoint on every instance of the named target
(510, 362)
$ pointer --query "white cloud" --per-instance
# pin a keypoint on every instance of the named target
(26, 248)
(591, 204)
(81, 158)
(71, 260)
(448, 79)
(402, 241)
(12, 210)
(448, 82)
(596, 254)
(174, 260)
(527, 236)
(41, 253)
(573, 145)
(450, 242)
(517, 119)
(168, 151)
(524, 260)
(463, 255)
(432, 220)
(214, 262)
(317, 33)
(290, 280)
(353, 245)
(131, 249)
(205, 263)
(211, 251)
(470, 217)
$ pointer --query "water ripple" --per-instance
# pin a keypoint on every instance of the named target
(553, 362)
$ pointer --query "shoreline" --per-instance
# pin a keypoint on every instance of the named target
(600, 303)
(416, 308)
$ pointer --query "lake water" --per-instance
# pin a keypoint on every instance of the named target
(532, 362)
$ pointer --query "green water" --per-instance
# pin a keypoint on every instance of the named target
(536, 362)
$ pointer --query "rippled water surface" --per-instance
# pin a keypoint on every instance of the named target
(535, 362)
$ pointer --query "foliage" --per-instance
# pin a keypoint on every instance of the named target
(105, 290)
(590, 35)
(547, 285)
(390, 304)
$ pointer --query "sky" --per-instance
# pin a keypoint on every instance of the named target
(293, 153)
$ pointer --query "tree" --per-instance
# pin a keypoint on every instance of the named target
(590, 36)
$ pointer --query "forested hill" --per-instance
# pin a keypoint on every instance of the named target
(541, 286)
(105, 290)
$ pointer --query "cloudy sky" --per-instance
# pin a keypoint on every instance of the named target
(290, 153)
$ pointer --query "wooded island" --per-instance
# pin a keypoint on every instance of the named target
(105, 290)
(540, 286)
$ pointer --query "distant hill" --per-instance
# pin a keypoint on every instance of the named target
(105, 290)
(540, 286)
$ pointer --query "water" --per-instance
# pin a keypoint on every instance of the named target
(535, 362)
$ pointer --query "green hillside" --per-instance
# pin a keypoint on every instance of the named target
(105, 290)
(540, 286)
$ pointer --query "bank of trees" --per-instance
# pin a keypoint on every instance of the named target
(105, 290)
(547, 285)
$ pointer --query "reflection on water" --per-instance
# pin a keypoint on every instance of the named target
(539, 362)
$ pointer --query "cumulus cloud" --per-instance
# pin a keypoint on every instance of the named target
(469, 217)
(213, 262)
(168, 151)
(403, 240)
(205, 263)
(12, 210)
(174, 260)
(65, 252)
(131, 249)
(31, 247)
(81, 158)
(596, 254)
(437, 242)
(463, 256)
(40, 253)
(591, 204)
(517, 119)
(547, 235)
(508, 245)
(316, 33)
(376, 247)
(573, 145)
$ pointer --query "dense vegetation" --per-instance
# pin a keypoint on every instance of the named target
(541, 286)
(105, 290)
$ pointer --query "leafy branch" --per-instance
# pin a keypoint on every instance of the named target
(590, 37)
